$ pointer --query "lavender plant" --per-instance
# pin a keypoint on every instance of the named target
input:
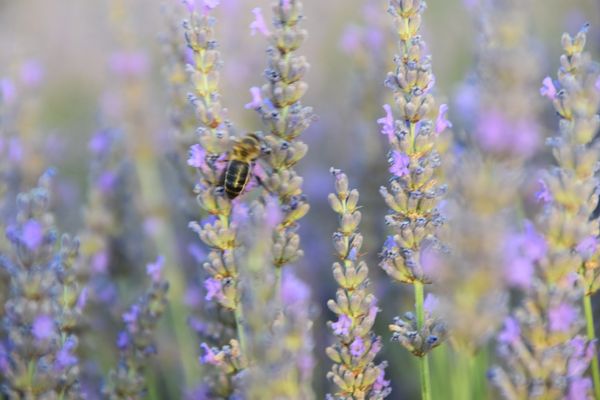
(279, 344)
(136, 341)
(571, 189)
(415, 189)
(354, 371)
(220, 232)
(278, 103)
(541, 343)
(42, 309)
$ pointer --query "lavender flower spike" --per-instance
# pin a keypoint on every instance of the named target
(354, 371)
(219, 232)
(285, 118)
(574, 185)
(415, 189)
(136, 341)
(41, 313)
(546, 357)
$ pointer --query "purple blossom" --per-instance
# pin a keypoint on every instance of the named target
(257, 99)
(342, 326)
(519, 272)
(130, 317)
(583, 352)
(380, 383)
(399, 164)
(598, 83)
(562, 317)
(431, 303)
(273, 213)
(357, 348)
(100, 262)
(15, 150)
(522, 251)
(210, 357)
(100, 142)
(442, 123)
(107, 182)
(430, 261)
(122, 340)
(543, 195)
(65, 357)
(293, 290)
(390, 243)
(128, 64)
(497, 134)
(190, 5)
(351, 39)
(387, 123)
(511, 332)
(548, 89)
(259, 23)
(8, 91)
(32, 73)
(196, 156)
(587, 247)
(43, 327)
(33, 234)
(533, 244)
(154, 269)
(4, 363)
(214, 290)
(579, 389)
(240, 213)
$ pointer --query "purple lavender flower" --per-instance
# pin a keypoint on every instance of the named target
(128, 64)
(257, 100)
(214, 290)
(8, 91)
(562, 317)
(511, 332)
(197, 156)
(259, 24)
(43, 327)
(66, 357)
(356, 346)
(342, 326)
(399, 164)
(33, 234)
(32, 73)
(387, 123)
(154, 270)
(548, 90)
(442, 123)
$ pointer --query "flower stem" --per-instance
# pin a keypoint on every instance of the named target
(424, 360)
(589, 318)
(239, 322)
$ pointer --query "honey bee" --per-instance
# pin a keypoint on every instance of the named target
(238, 170)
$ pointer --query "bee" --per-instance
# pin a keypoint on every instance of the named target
(238, 170)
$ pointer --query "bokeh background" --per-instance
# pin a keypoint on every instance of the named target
(63, 56)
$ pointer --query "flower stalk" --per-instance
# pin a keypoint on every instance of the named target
(354, 372)
(415, 189)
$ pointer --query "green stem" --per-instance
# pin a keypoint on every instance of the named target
(239, 322)
(424, 360)
(589, 318)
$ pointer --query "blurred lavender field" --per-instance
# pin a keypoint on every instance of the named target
(495, 258)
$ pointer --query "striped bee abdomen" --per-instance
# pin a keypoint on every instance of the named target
(237, 176)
